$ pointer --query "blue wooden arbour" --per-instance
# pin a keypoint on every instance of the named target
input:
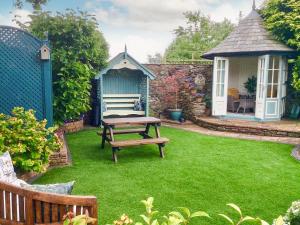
(26, 79)
(124, 76)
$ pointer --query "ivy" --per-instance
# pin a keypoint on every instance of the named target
(282, 18)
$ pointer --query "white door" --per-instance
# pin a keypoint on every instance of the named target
(220, 84)
(273, 86)
(260, 89)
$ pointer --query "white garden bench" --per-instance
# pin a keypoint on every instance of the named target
(121, 104)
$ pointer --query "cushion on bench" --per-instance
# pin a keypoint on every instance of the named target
(8, 175)
(60, 188)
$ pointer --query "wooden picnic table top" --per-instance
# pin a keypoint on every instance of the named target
(130, 120)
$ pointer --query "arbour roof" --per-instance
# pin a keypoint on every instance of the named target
(124, 60)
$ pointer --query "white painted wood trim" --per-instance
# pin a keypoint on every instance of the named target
(120, 100)
(122, 112)
(120, 105)
(121, 95)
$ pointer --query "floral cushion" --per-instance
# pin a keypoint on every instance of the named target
(60, 188)
(8, 175)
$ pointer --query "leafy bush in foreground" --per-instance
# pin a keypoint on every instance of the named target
(27, 140)
(173, 218)
(178, 218)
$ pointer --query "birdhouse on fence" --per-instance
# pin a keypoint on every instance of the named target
(45, 52)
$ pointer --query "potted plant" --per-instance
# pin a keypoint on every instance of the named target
(208, 104)
(172, 87)
(250, 85)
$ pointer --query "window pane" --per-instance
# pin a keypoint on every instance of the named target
(218, 76)
(270, 76)
(275, 91)
(222, 76)
(269, 90)
(276, 62)
(219, 64)
(222, 90)
(223, 64)
(271, 61)
(275, 77)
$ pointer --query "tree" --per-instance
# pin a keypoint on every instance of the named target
(79, 51)
(36, 4)
(282, 19)
(199, 35)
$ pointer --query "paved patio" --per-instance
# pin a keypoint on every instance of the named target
(284, 125)
(195, 128)
(283, 128)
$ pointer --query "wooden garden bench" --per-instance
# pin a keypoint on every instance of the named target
(19, 206)
(109, 131)
(121, 104)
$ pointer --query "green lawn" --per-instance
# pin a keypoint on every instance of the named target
(199, 172)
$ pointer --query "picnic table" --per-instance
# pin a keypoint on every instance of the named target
(109, 130)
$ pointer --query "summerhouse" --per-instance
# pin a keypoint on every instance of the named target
(123, 87)
(250, 53)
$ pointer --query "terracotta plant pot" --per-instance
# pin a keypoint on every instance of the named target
(175, 114)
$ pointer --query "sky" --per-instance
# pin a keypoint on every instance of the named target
(145, 26)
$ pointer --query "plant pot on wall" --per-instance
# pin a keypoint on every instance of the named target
(175, 114)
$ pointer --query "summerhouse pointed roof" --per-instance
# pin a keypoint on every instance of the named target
(124, 60)
(250, 37)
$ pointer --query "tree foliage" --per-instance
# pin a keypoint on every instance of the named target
(36, 4)
(199, 35)
(282, 18)
(79, 50)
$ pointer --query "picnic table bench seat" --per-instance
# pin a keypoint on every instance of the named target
(126, 143)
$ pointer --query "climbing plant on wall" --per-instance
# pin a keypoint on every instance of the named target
(79, 50)
(282, 19)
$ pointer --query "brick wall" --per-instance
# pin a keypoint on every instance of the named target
(197, 84)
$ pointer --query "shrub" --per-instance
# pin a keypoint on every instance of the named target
(79, 51)
(27, 140)
(71, 219)
(178, 218)
(173, 218)
(292, 216)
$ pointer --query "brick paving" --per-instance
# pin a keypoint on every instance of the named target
(283, 128)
